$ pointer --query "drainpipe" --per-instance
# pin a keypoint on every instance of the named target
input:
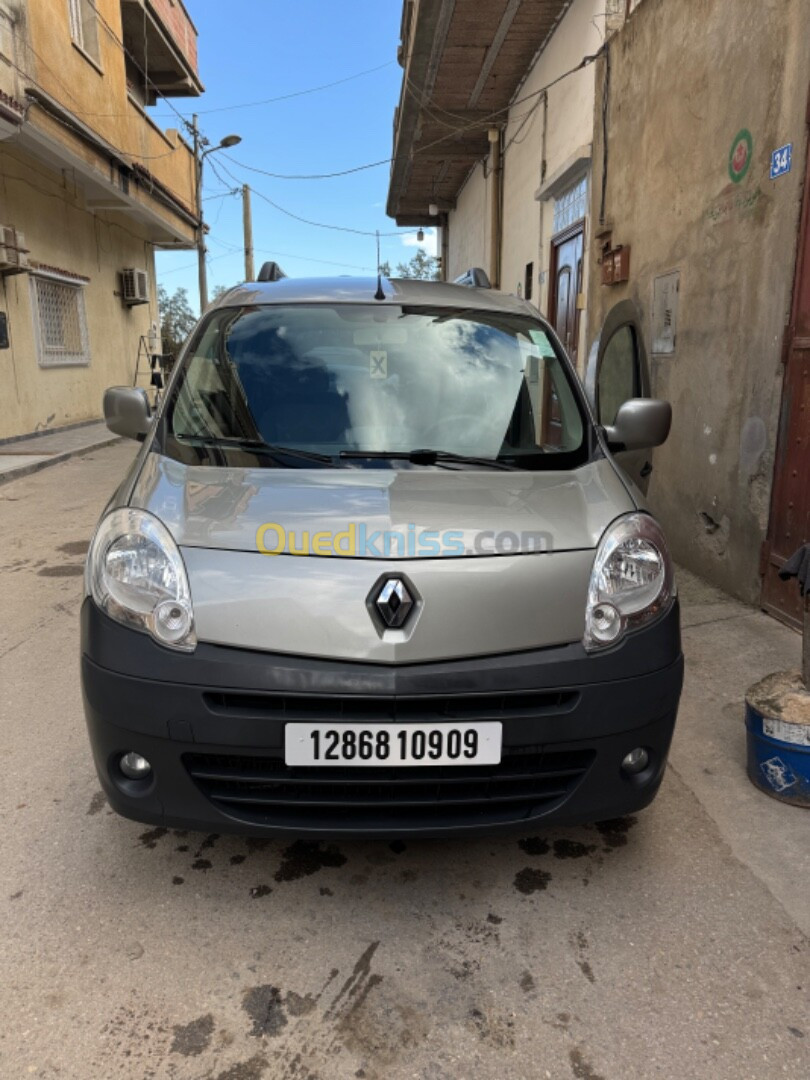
(541, 253)
(495, 172)
(445, 247)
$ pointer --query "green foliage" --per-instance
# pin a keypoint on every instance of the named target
(422, 265)
(177, 319)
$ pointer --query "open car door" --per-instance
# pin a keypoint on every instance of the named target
(617, 371)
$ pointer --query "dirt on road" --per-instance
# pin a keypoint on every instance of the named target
(642, 947)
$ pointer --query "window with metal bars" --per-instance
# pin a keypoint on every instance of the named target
(59, 321)
(84, 26)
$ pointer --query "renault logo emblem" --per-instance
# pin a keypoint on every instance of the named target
(393, 602)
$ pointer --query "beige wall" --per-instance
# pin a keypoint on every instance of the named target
(65, 235)
(468, 226)
(97, 94)
(527, 223)
(686, 77)
(92, 193)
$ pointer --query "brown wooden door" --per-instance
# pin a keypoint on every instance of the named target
(566, 285)
(789, 525)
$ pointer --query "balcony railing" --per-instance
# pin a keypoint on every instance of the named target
(161, 42)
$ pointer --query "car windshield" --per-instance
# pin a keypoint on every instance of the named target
(337, 383)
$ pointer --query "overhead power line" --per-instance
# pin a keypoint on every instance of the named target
(309, 176)
(295, 93)
(265, 251)
(308, 221)
(458, 127)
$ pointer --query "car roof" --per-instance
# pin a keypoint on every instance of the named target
(361, 290)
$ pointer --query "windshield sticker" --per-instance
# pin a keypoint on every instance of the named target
(542, 344)
(378, 364)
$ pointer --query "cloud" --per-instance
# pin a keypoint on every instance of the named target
(430, 243)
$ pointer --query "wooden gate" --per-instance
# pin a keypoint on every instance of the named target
(789, 524)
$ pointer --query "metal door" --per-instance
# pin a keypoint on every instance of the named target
(789, 524)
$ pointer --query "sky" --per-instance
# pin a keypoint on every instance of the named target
(252, 50)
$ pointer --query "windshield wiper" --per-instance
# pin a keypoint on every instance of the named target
(427, 457)
(256, 446)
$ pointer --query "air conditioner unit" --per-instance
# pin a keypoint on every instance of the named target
(13, 252)
(134, 287)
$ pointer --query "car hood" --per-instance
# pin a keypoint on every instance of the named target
(466, 512)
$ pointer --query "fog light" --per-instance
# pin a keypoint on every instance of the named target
(605, 622)
(134, 767)
(636, 761)
(172, 621)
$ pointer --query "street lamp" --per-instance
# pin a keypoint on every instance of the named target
(199, 157)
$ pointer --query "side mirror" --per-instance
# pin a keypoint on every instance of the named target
(640, 424)
(127, 412)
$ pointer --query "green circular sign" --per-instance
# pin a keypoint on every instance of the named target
(739, 157)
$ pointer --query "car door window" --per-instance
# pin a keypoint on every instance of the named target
(619, 374)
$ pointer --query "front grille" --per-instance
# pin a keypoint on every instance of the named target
(425, 707)
(262, 790)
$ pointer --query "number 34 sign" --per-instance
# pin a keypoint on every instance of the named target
(781, 160)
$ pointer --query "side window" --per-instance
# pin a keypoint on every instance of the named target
(84, 26)
(619, 377)
(6, 37)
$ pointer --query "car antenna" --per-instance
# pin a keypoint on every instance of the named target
(379, 294)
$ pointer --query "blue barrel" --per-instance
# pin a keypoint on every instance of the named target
(779, 738)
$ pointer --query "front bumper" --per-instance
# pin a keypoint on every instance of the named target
(212, 725)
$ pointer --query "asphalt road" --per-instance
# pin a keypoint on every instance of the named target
(673, 945)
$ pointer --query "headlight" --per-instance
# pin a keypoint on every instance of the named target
(135, 574)
(631, 580)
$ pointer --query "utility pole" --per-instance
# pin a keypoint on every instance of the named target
(200, 155)
(201, 268)
(247, 221)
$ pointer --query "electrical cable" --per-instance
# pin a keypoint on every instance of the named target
(309, 176)
(605, 100)
(127, 53)
(484, 121)
(71, 127)
(487, 120)
(308, 221)
(192, 266)
(274, 254)
(464, 126)
(295, 93)
(221, 195)
(213, 166)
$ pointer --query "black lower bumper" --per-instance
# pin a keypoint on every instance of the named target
(212, 726)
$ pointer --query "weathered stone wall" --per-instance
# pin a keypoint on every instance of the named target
(686, 79)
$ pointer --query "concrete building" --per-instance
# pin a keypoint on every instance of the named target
(89, 187)
(504, 162)
(639, 201)
(697, 97)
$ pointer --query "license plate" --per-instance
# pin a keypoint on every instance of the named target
(393, 744)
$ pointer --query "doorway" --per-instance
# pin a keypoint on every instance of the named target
(789, 523)
(566, 286)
